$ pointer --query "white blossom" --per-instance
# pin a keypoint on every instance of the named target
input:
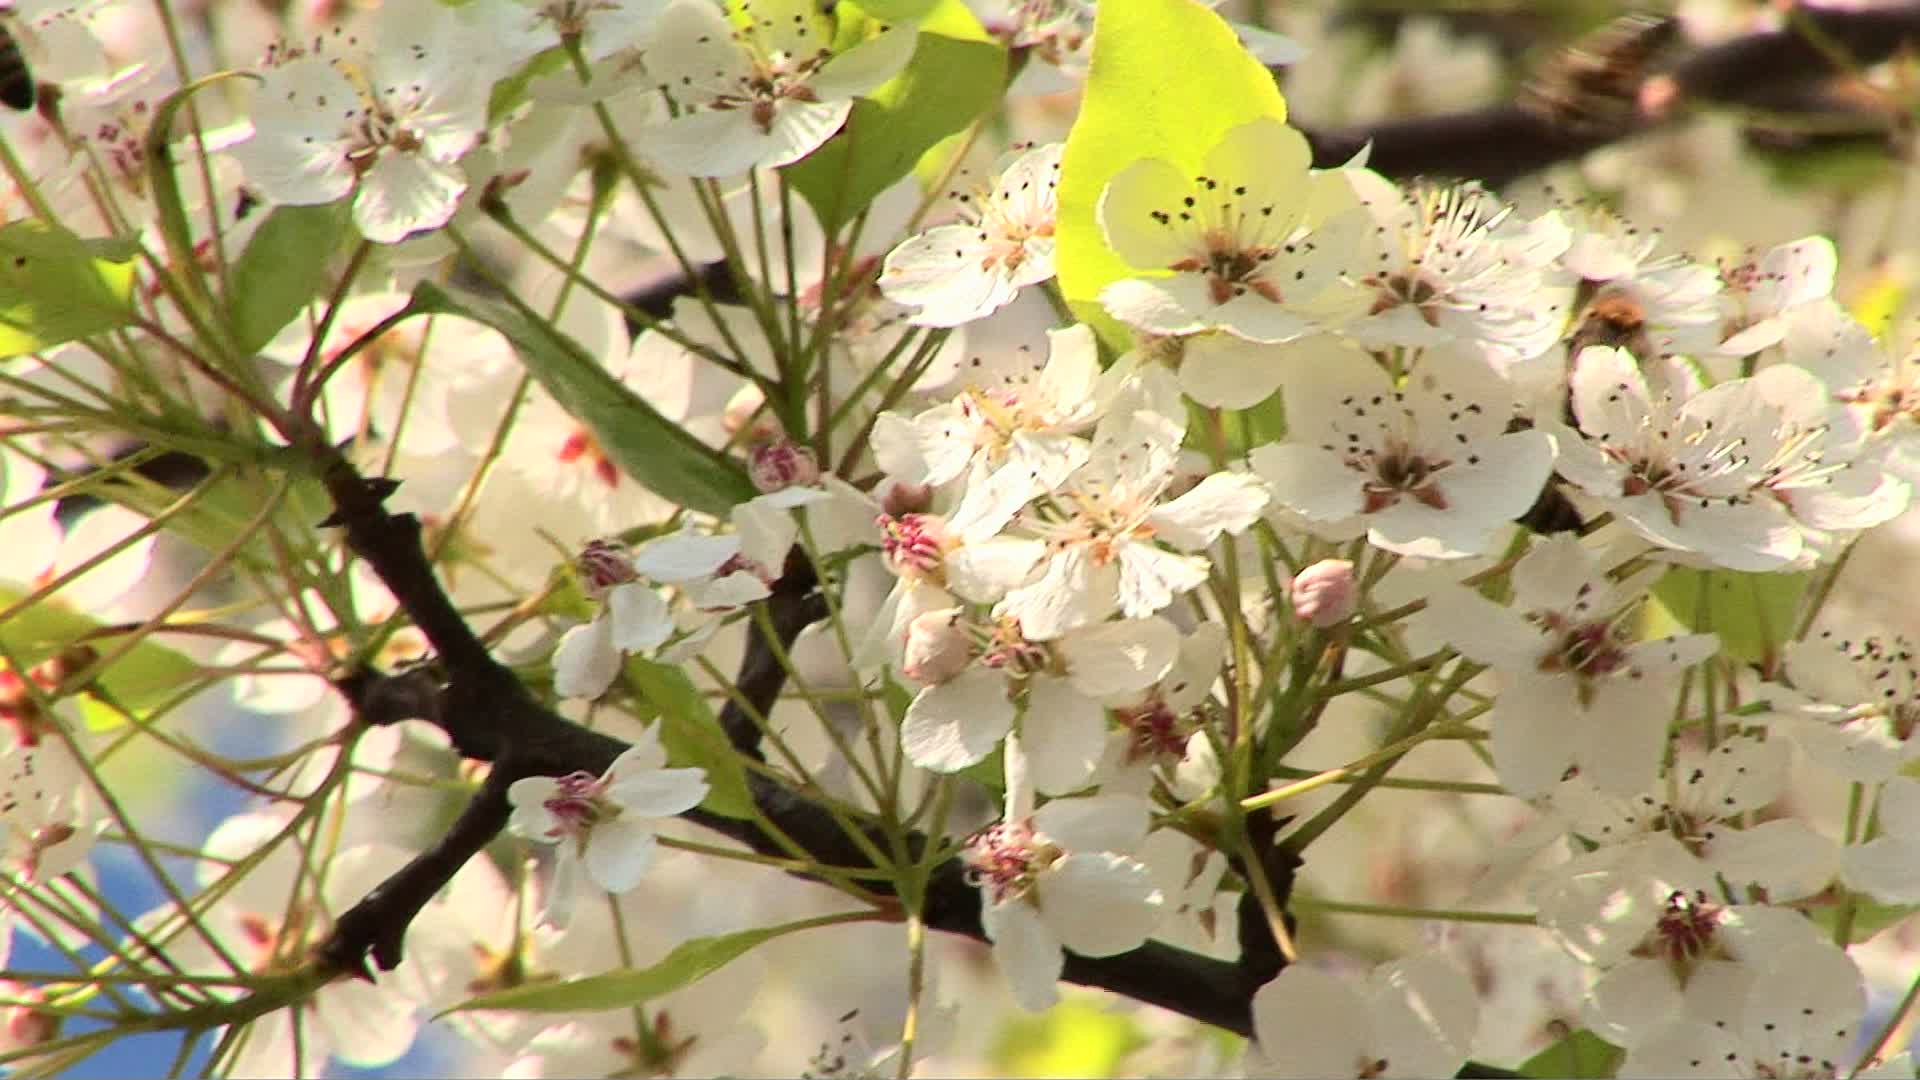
(1764, 296)
(1097, 545)
(1054, 690)
(1060, 878)
(1413, 1017)
(1249, 245)
(1745, 474)
(1454, 264)
(1855, 703)
(1429, 468)
(1576, 688)
(603, 826)
(1667, 944)
(1004, 242)
(1701, 809)
(1794, 1015)
(765, 94)
(385, 123)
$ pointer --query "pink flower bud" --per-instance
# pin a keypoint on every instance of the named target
(938, 647)
(1323, 593)
(782, 464)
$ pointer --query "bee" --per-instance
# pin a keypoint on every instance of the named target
(1589, 88)
(16, 82)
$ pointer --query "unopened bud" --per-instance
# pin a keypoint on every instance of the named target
(1323, 594)
(602, 566)
(781, 464)
(903, 499)
(938, 647)
(55, 670)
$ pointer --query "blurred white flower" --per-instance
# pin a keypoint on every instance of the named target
(1414, 1017)
(1855, 703)
(766, 94)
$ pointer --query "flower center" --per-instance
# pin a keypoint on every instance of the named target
(913, 544)
(1401, 471)
(602, 566)
(1007, 858)
(1155, 732)
(579, 804)
(1686, 933)
(1008, 651)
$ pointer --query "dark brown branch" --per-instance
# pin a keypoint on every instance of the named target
(1497, 143)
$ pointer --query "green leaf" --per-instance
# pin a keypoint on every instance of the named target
(283, 268)
(1752, 613)
(684, 966)
(55, 286)
(692, 736)
(221, 508)
(647, 446)
(957, 73)
(138, 681)
(1581, 1054)
(170, 209)
(509, 92)
(1168, 78)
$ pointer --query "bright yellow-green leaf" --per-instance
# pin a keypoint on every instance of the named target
(956, 74)
(1168, 78)
(1752, 613)
(1886, 294)
(55, 286)
(1074, 1038)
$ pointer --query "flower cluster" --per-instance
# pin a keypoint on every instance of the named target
(1157, 537)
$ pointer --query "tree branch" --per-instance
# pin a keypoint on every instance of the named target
(489, 716)
(1497, 143)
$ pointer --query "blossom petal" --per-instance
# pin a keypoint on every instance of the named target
(957, 723)
(619, 852)
(1119, 657)
(1095, 823)
(1310, 1023)
(1099, 903)
(1065, 733)
(1028, 953)
(659, 792)
(586, 660)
